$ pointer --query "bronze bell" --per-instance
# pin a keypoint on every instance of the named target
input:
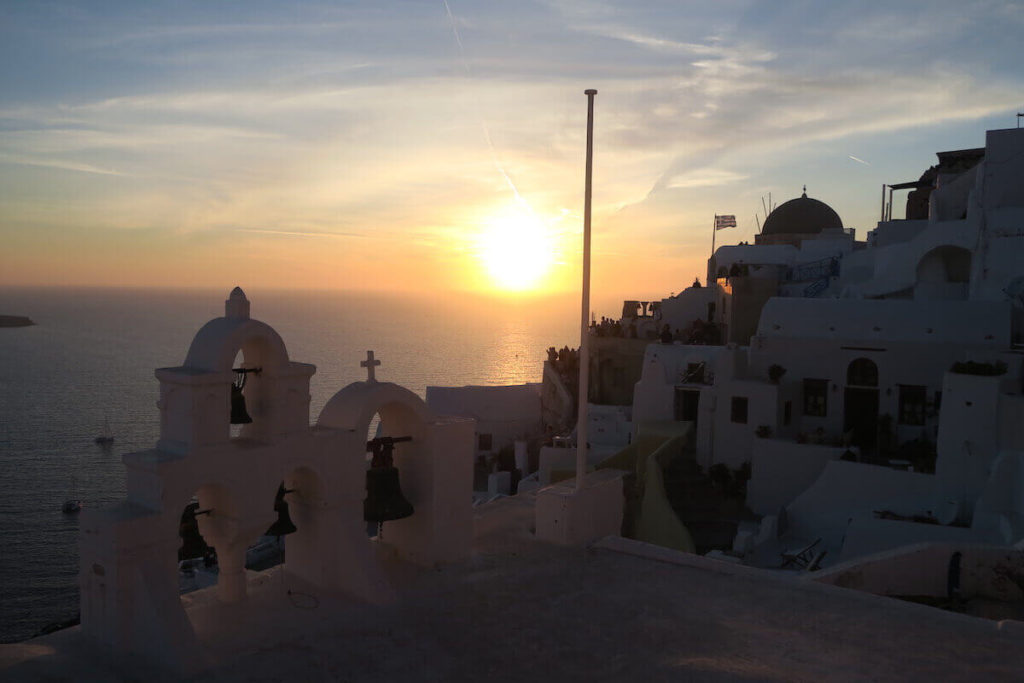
(283, 526)
(239, 415)
(384, 500)
(192, 543)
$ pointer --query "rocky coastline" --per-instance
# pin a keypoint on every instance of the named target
(15, 321)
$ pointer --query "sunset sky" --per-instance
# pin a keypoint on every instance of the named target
(429, 146)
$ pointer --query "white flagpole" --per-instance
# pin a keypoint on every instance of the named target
(710, 277)
(581, 423)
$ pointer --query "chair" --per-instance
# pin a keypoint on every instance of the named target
(800, 558)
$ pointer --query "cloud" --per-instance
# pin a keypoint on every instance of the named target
(345, 120)
(704, 178)
(299, 233)
(61, 164)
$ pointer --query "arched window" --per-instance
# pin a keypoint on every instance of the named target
(862, 372)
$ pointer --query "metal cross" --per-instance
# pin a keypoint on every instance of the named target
(370, 364)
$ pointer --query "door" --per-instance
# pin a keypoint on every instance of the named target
(686, 402)
(860, 414)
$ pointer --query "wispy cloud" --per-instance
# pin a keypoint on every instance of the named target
(331, 121)
(61, 164)
(704, 178)
(300, 233)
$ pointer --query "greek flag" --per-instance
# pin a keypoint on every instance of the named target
(725, 222)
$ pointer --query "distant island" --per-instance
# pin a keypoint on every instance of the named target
(15, 321)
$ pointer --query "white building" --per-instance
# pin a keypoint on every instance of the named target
(849, 353)
(503, 414)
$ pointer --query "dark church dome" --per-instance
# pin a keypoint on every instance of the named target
(802, 216)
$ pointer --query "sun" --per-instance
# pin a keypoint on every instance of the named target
(516, 250)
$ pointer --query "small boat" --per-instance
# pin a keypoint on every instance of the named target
(106, 437)
(71, 506)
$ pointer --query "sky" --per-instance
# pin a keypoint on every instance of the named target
(439, 146)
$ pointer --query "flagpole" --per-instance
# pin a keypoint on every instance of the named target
(581, 423)
(714, 232)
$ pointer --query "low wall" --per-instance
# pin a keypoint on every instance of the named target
(923, 570)
(848, 490)
(657, 521)
(869, 535)
(781, 470)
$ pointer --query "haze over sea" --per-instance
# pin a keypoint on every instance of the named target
(91, 357)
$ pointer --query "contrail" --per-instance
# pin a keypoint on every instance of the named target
(859, 161)
(483, 123)
(458, 38)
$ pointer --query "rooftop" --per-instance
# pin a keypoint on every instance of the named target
(522, 609)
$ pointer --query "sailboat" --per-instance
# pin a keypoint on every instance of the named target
(106, 437)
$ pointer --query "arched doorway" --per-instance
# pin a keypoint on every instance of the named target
(860, 406)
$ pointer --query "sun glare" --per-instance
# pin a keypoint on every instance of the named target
(516, 251)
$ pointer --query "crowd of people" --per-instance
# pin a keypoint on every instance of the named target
(612, 328)
(565, 361)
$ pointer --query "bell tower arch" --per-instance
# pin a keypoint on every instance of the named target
(435, 466)
(195, 398)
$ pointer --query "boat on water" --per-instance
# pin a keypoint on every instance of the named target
(106, 437)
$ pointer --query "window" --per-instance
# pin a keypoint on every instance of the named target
(912, 408)
(484, 442)
(739, 409)
(816, 397)
(695, 373)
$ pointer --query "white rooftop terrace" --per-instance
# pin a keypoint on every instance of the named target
(521, 610)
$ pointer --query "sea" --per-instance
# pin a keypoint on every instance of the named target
(90, 360)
